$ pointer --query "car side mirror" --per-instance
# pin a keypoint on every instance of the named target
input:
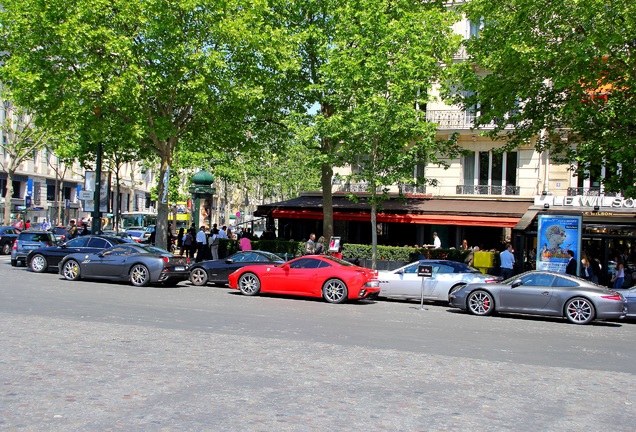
(229, 261)
(400, 271)
(285, 266)
(516, 283)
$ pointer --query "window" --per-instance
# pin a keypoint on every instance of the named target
(3, 187)
(563, 282)
(490, 173)
(50, 192)
(305, 263)
(538, 280)
(16, 189)
(77, 242)
(98, 243)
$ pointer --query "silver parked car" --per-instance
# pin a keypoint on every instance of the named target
(630, 297)
(542, 293)
(447, 275)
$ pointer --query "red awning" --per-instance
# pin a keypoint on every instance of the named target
(446, 219)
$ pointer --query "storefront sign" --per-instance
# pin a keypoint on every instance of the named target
(588, 202)
(558, 234)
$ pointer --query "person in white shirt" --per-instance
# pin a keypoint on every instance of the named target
(201, 242)
(436, 241)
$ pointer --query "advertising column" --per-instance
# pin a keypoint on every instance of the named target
(558, 234)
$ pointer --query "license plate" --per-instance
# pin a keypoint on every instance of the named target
(179, 268)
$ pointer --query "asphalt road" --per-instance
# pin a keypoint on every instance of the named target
(77, 356)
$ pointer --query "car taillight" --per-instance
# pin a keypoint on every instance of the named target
(616, 297)
(165, 259)
(15, 245)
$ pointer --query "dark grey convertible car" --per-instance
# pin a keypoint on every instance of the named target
(139, 264)
(542, 293)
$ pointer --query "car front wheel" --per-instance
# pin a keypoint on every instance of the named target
(39, 264)
(71, 270)
(480, 303)
(249, 284)
(579, 311)
(334, 291)
(199, 276)
(139, 275)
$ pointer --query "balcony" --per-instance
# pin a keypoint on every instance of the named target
(451, 119)
(410, 189)
(589, 191)
(487, 190)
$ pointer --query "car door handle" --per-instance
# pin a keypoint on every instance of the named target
(546, 293)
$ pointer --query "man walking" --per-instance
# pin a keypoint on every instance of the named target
(507, 262)
(310, 246)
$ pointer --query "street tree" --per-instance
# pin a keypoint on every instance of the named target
(560, 74)
(21, 140)
(165, 69)
(385, 58)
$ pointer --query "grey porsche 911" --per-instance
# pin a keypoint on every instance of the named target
(542, 293)
(139, 264)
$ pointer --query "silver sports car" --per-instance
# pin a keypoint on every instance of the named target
(542, 293)
(447, 275)
(630, 297)
(139, 264)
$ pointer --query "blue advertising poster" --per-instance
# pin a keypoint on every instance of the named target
(556, 235)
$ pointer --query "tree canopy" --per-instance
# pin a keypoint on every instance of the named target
(561, 72)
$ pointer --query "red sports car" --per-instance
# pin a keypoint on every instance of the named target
(323, 276)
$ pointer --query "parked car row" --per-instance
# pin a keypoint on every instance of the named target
(334, 280)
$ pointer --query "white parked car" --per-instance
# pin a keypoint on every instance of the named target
(404, 283)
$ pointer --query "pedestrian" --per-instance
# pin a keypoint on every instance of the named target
(310, 246)
(46, 225)
(180, 236)
(587, 272)
(188, 240)
(619, 274)
(19, 223)
(214, 242)
(570, 268)
(320, 246)
(85, 230)
(72, 229)
(465, 246)
(27, 225)
(437, 243)
(201, 243)
(245, 244)
(507, 262)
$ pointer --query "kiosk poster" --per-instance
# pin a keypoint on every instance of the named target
(558, 234)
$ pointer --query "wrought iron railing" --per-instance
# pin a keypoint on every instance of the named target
(451, 119)
(487, 190)
(410, 189)
(589, 191)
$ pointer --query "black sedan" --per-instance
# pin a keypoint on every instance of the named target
(48, 258)
(8, 235)
(217, 271)
(139, 264)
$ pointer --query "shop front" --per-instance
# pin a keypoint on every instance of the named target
(401, 221)
(608, 231)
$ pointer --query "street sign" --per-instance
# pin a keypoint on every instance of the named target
(425, 270)
(86, 195)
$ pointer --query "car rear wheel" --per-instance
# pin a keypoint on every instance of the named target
(334, 291)
(71, 270)
(139, 275)
(199, 276)
(39, 264)
(249, 284)
(480, 303)
(579, 310)
(6, 249)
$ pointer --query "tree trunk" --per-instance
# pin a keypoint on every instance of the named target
(7, 197)
(163, 209)
(327, 201)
